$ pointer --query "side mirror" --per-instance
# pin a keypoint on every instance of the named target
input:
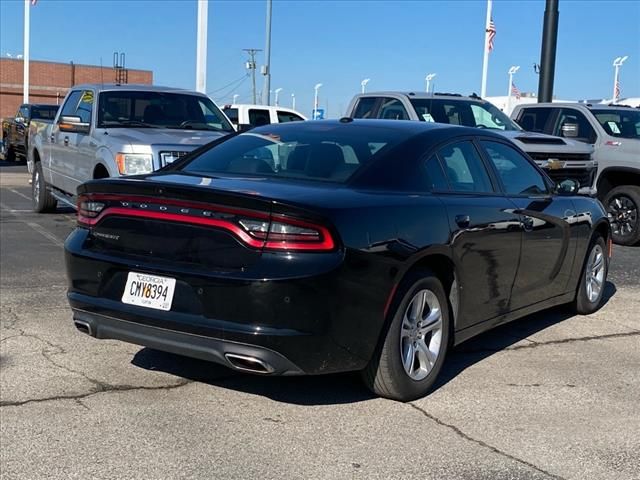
(72, 124)
(244, 127)
(19, 119)
(570, 130)
(568, 187)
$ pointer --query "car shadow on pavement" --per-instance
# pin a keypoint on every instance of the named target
(347, 387)
(6, 163)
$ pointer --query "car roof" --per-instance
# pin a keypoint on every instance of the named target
(439, 131)
(590, 106)
(103, 87)
(421, 95)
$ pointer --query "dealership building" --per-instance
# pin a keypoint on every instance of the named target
(49, 82)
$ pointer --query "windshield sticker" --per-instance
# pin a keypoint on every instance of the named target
(428, 118)
(87, 97)
(614, 127)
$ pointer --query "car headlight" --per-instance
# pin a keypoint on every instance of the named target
(134, 163)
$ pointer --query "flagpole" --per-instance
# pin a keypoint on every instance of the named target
(25, 60)
(201, 47)
(485, 62)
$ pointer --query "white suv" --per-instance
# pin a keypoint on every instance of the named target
(258, 115)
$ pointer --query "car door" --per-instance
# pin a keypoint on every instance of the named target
(259, 117)
(59, 143)
(572, 117)
(486, 234)
(19, 131)
(81, 151)
(548, 241)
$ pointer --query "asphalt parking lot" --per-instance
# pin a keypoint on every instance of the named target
(551, 396)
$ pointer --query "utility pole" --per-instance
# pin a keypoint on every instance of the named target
(266, 69)
(251, 65)
(25, 58)
(293, 101)
(548, 53)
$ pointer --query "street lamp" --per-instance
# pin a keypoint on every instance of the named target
(363, 83)
(278, 90)
(428, 79)
(617, 63)
(235, 98)
(315, 100)
(293, 101)
(511, 73)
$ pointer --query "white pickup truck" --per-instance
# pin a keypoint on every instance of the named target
(111, 130)
(245, 116)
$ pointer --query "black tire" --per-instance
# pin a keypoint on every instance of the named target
(10, 155)
(386, 375)
(623, 206)
(43, 201)
(583, 303)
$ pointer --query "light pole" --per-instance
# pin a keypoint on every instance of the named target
(617, 63)
(293, 101)
(428, 79)
(511, 73)
(235, 98)
(363, 83)
(278, 90)
(315, 100)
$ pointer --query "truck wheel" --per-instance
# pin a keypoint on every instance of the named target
(416, 343)
(43, 201)
(623, 206)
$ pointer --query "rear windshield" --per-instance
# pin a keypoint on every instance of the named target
(44, 112)
(329, 154)
(619, 123)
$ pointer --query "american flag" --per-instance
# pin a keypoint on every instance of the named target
(514, 91)
(33, 2)
(492, 34)
(616, 93)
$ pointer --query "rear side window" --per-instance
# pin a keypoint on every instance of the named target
(435, 176)
(293, 153)
(464, 168)
(365, 107)
(257, 118)
(284, 117)
(518, 176)
(534, 119)
(392, 109)
(232, 114)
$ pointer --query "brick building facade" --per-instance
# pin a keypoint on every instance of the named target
(50, 81)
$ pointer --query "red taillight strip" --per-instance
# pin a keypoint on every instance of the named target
(175, 203)
(326, 243)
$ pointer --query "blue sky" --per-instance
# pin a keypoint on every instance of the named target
(338, 43)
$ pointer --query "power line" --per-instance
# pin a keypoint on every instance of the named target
(229, 84)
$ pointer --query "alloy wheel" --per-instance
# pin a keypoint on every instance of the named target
(421, 334)
(594, 273)
(623, 214)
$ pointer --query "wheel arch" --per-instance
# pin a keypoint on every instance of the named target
(100, 171)
(613, 177)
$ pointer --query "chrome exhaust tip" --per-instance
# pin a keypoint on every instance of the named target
(83, 327)
(248, 364)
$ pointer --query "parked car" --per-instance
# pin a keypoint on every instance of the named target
(560, 158)
(15, 131)
(614, 131)
(111, 130)
(249, 116)
(372, 245)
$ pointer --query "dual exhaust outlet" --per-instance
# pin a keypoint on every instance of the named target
(245, 363)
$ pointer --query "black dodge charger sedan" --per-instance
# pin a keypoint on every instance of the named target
(329, 246)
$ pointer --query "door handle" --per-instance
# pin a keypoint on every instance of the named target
(66, 141)
(463, 221)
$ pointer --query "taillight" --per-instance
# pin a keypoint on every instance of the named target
(254, 229)
(283, 233)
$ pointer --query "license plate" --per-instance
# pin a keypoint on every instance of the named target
(149, 291)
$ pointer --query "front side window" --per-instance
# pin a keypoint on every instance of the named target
(289, 153)
(85, 106)
(232, 114)
(464, 168)
(365, 107)
(69, 107)
(23, 112)
(392, 109)
(47, 112)
(570, 120)
(518, 176)
(151, 109)
(259, 117)
(619, 123)
(466, 112)
(284, 117)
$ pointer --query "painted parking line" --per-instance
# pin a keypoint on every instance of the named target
(35, 227)
(20, 194)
